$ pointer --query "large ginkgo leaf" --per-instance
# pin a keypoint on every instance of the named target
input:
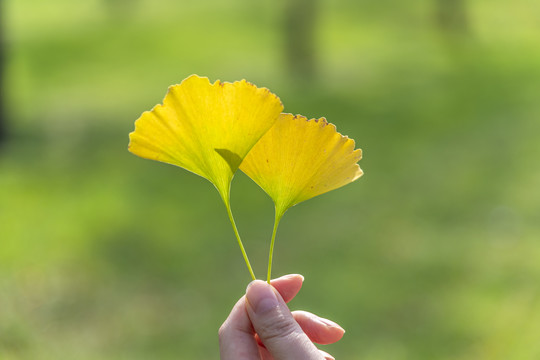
(206, 128)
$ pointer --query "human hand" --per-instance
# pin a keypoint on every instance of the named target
(261, 326)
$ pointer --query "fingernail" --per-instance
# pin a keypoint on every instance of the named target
(291, 276)
(261, 296)
(329, 323)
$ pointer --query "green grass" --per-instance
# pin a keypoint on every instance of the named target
(433, 254)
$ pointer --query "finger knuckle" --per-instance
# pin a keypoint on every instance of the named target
(284, 328)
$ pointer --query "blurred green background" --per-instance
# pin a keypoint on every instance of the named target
(433, 254)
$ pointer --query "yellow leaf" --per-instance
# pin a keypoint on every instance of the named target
(298, 159)
(206, 128)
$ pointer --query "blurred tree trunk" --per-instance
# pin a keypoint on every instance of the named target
(451, 16)
(121, 9)
(299, 27)
(3, 116)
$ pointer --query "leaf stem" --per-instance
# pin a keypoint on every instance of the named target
(271, 253)
(244, 254)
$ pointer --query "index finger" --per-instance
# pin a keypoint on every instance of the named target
(288, 286)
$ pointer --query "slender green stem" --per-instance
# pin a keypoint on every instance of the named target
(271, 253)
(231, 218)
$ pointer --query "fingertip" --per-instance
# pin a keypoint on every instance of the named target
(289, 277)
(330, 324)
(292, 276)
(288, 286)
(319, 330)
(261, 297)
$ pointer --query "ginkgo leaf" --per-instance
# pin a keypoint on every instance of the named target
(298, 159)
(206, 128)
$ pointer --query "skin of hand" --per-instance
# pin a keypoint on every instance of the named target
(261, 326)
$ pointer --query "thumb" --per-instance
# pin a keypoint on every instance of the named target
(275, 325)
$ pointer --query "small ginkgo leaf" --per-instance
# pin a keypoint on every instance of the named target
(298, 159)
(206, 128)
